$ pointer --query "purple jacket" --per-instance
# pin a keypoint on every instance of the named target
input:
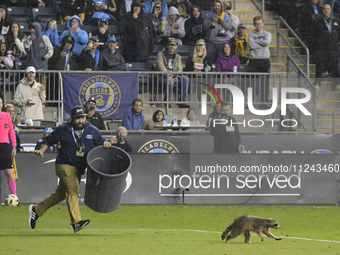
(224, 65)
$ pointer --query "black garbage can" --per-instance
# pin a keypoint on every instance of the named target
(105, 180)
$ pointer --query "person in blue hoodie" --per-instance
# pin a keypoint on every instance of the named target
(80, 36)
(149, 4)
(51, 31)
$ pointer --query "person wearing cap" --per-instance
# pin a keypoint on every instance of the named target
(92, 116)
(53, 148)
(110, 59)
(120, 140)
(89, 57)
(29, 97)
(240, 45)
(169, 61)
(194, 27)
(76, 137)
(138, 34)
(51, 31)
(100, 9)
(79, 35)
(216, 23)
(102, 33)
(68, 8)
(38, 47)
(198, 61)
(228, 8)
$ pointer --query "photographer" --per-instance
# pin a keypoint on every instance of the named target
(120, 140)
(227, 137)
(234, 19)
(240, 44)
(102, 33)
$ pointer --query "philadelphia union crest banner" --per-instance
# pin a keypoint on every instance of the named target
(114, 92)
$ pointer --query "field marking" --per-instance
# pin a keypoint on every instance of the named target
(182, 230)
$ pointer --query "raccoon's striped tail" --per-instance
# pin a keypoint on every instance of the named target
(226, 232)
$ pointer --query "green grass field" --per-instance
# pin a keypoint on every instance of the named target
(173, 229)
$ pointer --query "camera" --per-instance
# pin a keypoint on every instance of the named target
(239, 34)
(228, 8)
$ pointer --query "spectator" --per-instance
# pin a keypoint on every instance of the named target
(227, 60)
(64, 55)
(234, 19)
(240, 44)
(169, 61)
(80, 36)
(102, 33)
(139, 34)
(7, 140)
(51, 31)
(110, 59)
(191, 119)
(326, 35)
(39, 48)
(120, 140)
(134, 119)
(92, 116)
(198, 61)
(150, 5)
(5, 20)
(259, 40)
(216, 23)
(29, 96)
(47, 132)
(69, 8)
(9, 108)
(77, 138)
(174, 25)
(156, 17)
(194, 27)
(156, 121)
(309, 13)
(293, 15)
(6, 58)
(184, 7)
(227, 137)
(14, 42)
(89, 58)
(100, 9)
(38, 3)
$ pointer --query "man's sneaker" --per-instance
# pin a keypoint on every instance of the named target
(78, 226)
(337, 88)
(317, 87)
(33, 216)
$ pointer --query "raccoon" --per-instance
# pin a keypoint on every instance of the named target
(246, 223)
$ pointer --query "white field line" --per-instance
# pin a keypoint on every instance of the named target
(181, 230)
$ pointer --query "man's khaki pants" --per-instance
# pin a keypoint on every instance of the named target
(68, 188)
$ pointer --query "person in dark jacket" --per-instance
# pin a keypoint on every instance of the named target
(77, 137)
(102, 33)
(92, 116)
(139, 34)
(110, 59)
(156, 16)
(120, 140)
(309, 12)
(194, 27)
(227, 137)
(198, 61)
(89, 58)
(100, 9)
(68, 8)
(5, 20)
(326, 35)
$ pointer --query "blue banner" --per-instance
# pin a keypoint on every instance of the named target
(114, 92)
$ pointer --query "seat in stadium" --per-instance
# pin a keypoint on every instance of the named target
(42, 15)
(20, 14)
(144, 79)
(88, 28)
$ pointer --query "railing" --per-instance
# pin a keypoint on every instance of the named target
(279, 35)
(154, 87)
(302, 81)
(334, 114)
(260, 9)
